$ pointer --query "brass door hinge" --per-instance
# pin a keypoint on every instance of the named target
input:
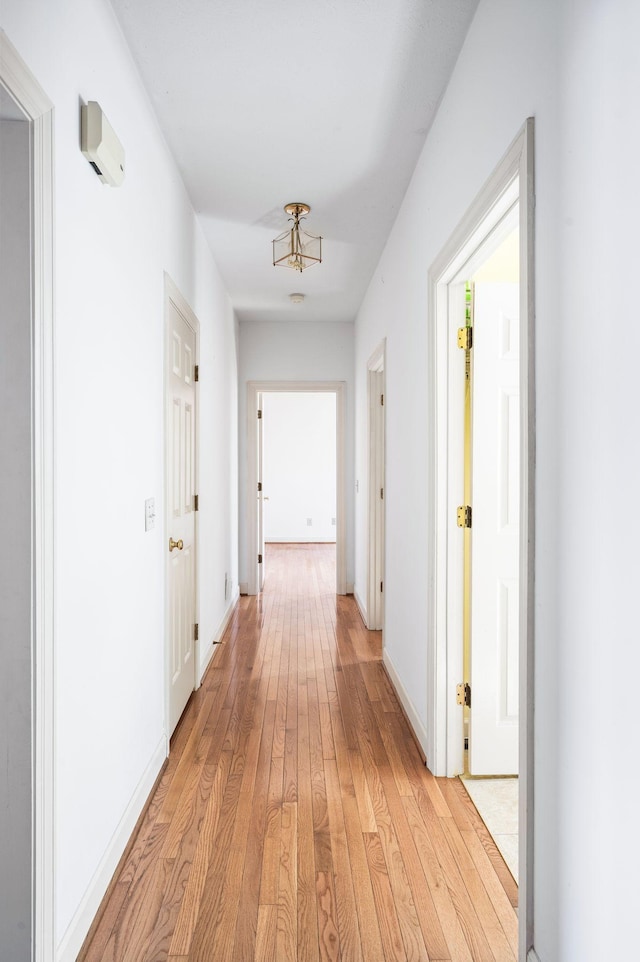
(463, 694)
(382, 400)
(196, 372)
(259, 485)
(464, 516)
(196, 502)
(381, 583)
(259, 559)
(465, 338)
(259, 415)
(382, 494)
(196, 632)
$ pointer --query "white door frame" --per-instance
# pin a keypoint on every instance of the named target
(512, 181)
(38, 110)
(376, 440)
(173, 296)
(254, 388)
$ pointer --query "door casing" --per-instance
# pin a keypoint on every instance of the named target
(511, 182)
(254, 390)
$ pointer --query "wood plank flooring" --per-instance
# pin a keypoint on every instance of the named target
(295, 820)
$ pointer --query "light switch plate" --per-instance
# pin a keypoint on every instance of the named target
(149, 514)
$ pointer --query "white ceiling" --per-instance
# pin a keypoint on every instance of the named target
(325, 102)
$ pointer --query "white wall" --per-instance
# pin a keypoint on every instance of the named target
(573, 66)
(299, 467)
(16, 763)
(295, 351)
(111, 249)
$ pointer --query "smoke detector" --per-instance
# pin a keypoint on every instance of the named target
(296, 298)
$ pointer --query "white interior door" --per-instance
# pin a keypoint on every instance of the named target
(375, 601)
(493, 731)
(260, 439)
(181, 440)
(380, 514)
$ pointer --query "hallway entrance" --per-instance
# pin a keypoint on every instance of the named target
(295, 818)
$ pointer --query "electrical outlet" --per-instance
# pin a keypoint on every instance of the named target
(333, 521)
(149, 514)
(309, 522)
(226, 586)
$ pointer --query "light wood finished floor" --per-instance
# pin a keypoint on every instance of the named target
(295, 820)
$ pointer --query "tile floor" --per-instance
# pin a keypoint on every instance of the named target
(497, 802)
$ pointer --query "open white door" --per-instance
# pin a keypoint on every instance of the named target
(180, 547)
(495, 553)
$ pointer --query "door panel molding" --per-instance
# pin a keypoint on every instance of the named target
(254, 389)
(511, 182)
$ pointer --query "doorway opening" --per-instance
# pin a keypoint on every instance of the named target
(482, 458)
(290, 505)
(491, 543)
(298, 476)
(27, 732)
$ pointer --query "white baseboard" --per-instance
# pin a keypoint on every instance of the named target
(80, 924)
(532, 956)
(222, 627)
(217, 638)
(418, 728)
(243, 587)
(207, 658)
(362, 608)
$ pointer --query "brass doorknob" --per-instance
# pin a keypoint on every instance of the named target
(176, 544)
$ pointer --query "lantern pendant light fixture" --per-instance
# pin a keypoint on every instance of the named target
(295, 248)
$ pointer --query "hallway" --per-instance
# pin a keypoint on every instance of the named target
(294, 819)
